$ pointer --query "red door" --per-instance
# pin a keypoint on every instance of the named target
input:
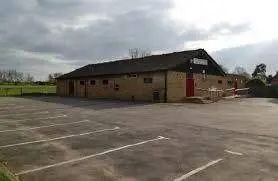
(189, 87)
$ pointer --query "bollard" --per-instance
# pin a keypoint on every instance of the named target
(234, 91)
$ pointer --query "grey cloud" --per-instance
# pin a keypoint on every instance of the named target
(195, 34)
(250, 55)
(46, 27)
(38, 66)
(231, 29)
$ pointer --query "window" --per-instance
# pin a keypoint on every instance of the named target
(230, 83)
(117, 87)
(220, 81)
(105, 82)
(148, 80)
(82, 82)
(93, 82)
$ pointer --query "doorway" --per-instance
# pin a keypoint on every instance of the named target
(190, 85)
(85, 91)
(71, 88)
(235, 87)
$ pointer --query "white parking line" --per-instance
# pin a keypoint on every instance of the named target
(233, 153)
(22, 114)
(39, 127)
(13, 109)
(7, 108)
(90, 156)
(54, 117)
(7, 105)
(193, 172)
(58, 138)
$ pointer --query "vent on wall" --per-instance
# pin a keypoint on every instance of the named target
(131, 76)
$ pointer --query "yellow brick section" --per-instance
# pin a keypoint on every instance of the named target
(176, 86)
(128, 87)
(211, 81)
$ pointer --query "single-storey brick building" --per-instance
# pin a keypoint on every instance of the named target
(274, 81)
(166, 78)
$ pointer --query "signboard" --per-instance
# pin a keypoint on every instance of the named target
(199, 61)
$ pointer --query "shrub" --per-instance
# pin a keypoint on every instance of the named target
(257, 88)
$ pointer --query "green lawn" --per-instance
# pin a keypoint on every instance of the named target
(14, 90)
(4, 177)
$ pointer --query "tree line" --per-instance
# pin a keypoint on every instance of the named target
(258, 73)
(14, 76)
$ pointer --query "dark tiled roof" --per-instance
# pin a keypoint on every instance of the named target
(146, 64)
(236, 75)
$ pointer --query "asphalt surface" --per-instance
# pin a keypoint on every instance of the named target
(54, 138)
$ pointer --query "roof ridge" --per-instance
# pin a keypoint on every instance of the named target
(142, 58)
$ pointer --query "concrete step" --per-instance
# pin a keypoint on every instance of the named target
(197, 100)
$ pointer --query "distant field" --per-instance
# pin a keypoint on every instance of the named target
(16, 90)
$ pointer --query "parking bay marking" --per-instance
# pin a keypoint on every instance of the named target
(22, 114)
(24, 109)
(7, 108)
(39, 127)
(54, 117)
(58, 138)
(233, 153)
(193, 172)
(90, 156)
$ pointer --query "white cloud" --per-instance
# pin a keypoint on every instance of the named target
(204, 14)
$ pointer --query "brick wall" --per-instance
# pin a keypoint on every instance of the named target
(122, 87)
(176, 86)
(217, 82)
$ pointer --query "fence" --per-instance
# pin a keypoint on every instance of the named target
(212, 94)
(26, 90)
(233, 92)
(215, 94)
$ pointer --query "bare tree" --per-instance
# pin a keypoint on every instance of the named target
(241, 71)
(137, 53)
(134, 53)
(145, 53)
(52, 77)
(12, 76)
(226, 70)
(28, 78)
(57, 74)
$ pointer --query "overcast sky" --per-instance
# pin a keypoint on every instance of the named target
(46, 36)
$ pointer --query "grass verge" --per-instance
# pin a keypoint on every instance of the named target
(6, 175)
(13, 90)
